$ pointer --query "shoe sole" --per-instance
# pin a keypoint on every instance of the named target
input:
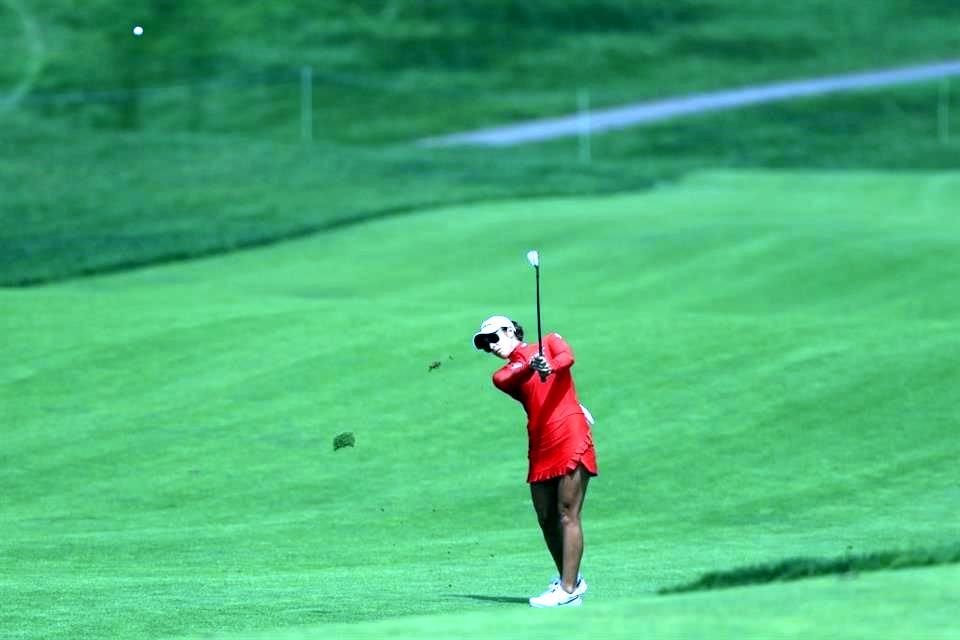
(575, 602)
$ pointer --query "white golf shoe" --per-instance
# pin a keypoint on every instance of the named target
(555, 596)
(580, 589)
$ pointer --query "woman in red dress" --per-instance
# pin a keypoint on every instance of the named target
(561, 452)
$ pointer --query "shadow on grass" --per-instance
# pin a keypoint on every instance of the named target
(501, 599)
(848, 565)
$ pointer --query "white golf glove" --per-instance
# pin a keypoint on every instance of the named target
(540, 364)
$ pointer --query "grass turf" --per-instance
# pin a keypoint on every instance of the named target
(398, 70)
(849, 565)
(770, 356)
(150, 197)
(901, 604)
(185, 142)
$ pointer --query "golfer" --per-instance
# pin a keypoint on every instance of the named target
(561, 453)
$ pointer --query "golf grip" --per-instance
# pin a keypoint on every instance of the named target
(543, 376)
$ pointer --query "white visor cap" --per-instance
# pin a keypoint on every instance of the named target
(490, 325)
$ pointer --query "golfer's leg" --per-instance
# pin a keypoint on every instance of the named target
(570, 494)
(544, 496)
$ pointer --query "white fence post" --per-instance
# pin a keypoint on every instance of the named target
(943, 112)
(306, 104)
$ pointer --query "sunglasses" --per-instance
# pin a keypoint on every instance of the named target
(487, 339)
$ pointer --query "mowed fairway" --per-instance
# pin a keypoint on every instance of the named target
(771, 357)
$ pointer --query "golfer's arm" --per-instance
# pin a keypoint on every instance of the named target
(562, 357)
(511, 376)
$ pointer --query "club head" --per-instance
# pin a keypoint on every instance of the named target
(533, 257)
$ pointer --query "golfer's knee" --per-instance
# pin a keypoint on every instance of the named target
(546, 519)
(569, 516)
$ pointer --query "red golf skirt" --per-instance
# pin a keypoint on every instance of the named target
(556, 448)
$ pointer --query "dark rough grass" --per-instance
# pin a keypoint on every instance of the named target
(186, 143)
(110, 201)
(799, 568)
(223, 67)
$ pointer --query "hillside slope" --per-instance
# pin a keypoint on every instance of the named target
(771, 358)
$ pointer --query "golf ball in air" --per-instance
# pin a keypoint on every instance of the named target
(138, 30)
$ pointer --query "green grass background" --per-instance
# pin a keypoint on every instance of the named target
(393, 70)
(820, 608)
(185, 142)
(763, 305)
(773, 375)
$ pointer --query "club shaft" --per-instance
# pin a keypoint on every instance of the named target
(539, 331)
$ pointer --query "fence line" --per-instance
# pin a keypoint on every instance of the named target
(252, 81)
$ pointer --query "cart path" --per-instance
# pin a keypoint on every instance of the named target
(639, 113)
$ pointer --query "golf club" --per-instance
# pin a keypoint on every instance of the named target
(533, 257)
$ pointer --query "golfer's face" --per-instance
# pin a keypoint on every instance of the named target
(502, 343)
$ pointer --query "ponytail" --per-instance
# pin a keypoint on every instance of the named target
(518, 330)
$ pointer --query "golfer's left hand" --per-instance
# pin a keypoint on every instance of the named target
(540, 364)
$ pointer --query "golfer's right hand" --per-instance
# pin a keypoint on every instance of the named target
(539, 364)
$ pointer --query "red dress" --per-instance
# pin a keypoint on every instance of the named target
(557, 424)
